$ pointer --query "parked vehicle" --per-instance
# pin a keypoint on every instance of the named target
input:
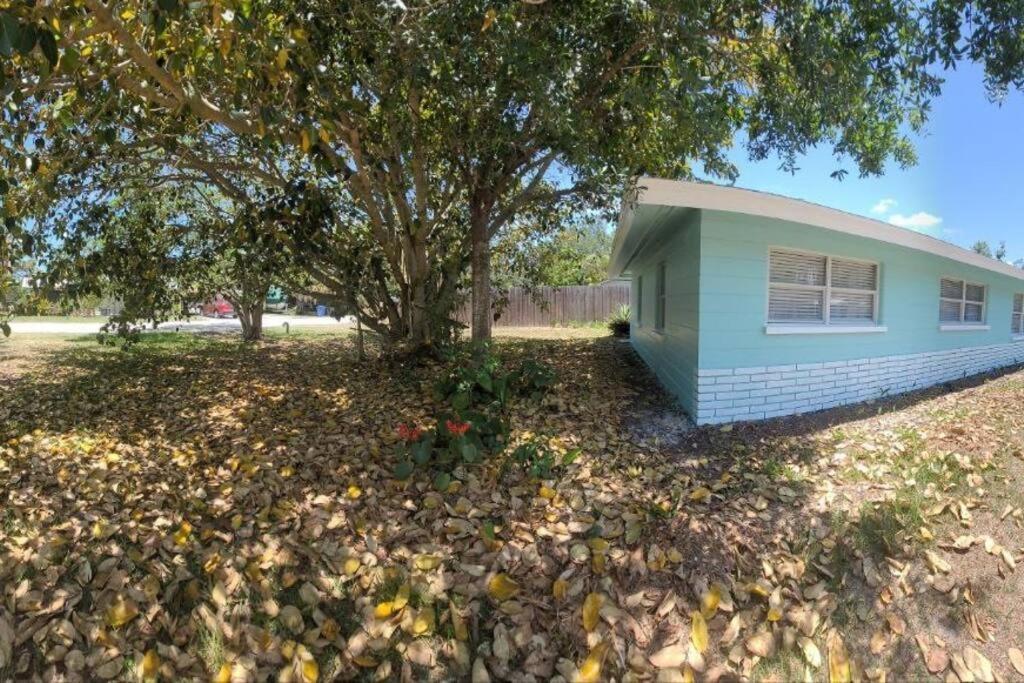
(219, 308)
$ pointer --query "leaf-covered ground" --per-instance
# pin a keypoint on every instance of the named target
(194, 509)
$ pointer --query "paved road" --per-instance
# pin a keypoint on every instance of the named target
(197, 324)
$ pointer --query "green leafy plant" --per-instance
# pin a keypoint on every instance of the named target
(474, 386)
(532, 378)
(540, 461)
(618, 322)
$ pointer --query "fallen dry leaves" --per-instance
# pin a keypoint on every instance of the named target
(226, 513)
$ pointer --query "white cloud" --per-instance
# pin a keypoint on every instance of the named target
(921, 221)
(883, 205)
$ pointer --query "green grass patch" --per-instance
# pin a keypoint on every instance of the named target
(884, 527)
(782, 667)
(210, 646)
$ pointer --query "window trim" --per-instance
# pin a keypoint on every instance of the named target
(1017, 331)
(963, 325)
(826, 325)
(660, 295)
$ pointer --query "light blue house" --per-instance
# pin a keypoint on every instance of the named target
(749, 305)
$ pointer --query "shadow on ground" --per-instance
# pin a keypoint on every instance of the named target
(258, 448)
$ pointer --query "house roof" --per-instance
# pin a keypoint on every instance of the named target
(659, 192)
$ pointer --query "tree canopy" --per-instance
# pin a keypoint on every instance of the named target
(386, 145)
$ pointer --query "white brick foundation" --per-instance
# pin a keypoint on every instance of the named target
(762, 392)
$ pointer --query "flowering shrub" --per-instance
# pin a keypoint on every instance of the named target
(409, 434)
(457, 429)
(478, 394)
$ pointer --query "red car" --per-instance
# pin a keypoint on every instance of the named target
(218, 308)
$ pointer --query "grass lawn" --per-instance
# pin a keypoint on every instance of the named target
(62, 318)
(194, 508)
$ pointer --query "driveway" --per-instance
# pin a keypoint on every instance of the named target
(196, 324)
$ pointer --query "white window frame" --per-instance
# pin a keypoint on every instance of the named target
(962, 325)
(1017, 317)
(825, 326)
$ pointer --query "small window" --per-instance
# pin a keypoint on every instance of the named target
(659, 311)
(810, 288)
(961, 302)
(639, 300)
(1018, 314)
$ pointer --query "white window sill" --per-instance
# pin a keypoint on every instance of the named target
(961, 327)
(1017, 338)
(780, 328)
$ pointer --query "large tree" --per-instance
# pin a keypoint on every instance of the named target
(434, 125)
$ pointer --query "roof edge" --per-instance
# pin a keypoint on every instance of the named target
(708, 196)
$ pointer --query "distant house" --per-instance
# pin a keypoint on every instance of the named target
(750, 305)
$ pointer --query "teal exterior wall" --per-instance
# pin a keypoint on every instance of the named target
(733, 256)
(671, 353)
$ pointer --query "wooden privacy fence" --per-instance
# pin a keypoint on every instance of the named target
(564, 305)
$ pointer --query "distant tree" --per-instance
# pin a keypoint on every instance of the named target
(1001, 251)
(576, 255)
(982, 247)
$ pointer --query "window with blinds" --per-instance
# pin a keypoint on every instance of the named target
(1018, 314)
(813, 288)
(961, 301)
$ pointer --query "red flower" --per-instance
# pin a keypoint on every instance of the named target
(409, 433)
(457, 428)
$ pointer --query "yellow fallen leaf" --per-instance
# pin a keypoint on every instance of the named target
(310, 671)
(559, 589)
(501, 587)
(121, 612)
(838, 660)
(223, 674)
(709, 601)
(698, 632)
(182, 534)
(424, 622)
(427, 562)
(590, 670)
(401, 597)
(384, 610)
(352, 565)
(546, 492)
(700, 494)
(150, 664)
(592, 611)
(354, 491)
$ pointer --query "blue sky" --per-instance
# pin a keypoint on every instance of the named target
(968, 183)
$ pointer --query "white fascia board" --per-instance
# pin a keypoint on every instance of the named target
(694, 195)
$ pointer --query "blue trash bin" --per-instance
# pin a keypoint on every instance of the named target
(321, 310)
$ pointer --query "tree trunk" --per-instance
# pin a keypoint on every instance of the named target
(251, 317)
(360, 346)
(420, 334)
(480, 262)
